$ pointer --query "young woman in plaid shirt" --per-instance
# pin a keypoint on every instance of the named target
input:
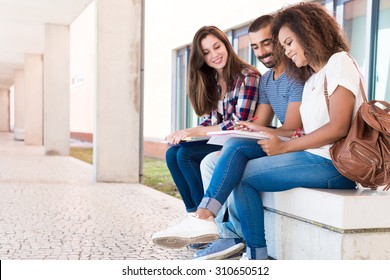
(221, 85)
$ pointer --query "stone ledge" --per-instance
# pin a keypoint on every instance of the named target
(327, 224)
(343, 209)
(292, 239)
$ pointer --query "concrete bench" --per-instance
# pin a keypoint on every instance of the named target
(328, 224)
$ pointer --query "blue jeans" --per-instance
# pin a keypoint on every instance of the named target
(235, 154)
(229, 228)
(235, 149)
(184, 164)
(274, 174)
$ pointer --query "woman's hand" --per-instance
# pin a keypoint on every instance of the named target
(175, 137)
(248, 126)
(273, 145)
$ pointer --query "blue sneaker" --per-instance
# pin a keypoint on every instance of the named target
(197, 246)
(221, 249)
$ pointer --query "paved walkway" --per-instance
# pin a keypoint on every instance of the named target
(51, 209)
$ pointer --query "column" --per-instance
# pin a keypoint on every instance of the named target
(56, 88)
(4, 110)
(33, 122)
(117, 99)
(20, 107)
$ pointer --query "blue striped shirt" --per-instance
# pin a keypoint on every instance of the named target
(278, 93)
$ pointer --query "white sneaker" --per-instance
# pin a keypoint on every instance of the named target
(244, 257)
(189, 231)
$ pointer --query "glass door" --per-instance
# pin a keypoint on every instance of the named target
(382, 73)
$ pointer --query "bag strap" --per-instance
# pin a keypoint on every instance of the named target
(326, 93)
(363, 92)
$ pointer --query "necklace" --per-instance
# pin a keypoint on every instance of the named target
(316, 78)
(314, 83)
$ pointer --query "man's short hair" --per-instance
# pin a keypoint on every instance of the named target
(260, 22)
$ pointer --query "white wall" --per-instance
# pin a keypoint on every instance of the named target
(171, 24)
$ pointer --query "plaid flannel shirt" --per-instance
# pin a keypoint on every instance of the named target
(240, 100)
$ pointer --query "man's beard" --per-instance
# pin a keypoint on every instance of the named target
(269, 64)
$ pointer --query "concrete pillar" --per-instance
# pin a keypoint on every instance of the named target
(33, 122)
(20, 107)
(117, 113)
(57, 90)
(4, 110)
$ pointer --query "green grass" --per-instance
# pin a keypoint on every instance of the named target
(157, 176)
(84, 154)
(156, 173)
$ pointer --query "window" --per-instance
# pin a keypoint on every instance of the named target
(367, 27)
(382, 71)
(182, 112)
(240, 43)
(366, 24)
(352, 16)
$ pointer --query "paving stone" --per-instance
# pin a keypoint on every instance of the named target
(51, 209)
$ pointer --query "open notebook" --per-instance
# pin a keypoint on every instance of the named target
(191, 141)
(219, 137)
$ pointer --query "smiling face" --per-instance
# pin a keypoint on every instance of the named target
(293, 49)
(214, 52)
(261, 43)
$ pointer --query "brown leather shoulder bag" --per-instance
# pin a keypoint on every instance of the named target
(363, 155)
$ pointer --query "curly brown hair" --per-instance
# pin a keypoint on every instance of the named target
(316, 30)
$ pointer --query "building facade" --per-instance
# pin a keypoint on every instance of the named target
(168, 39)
(128, 63)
